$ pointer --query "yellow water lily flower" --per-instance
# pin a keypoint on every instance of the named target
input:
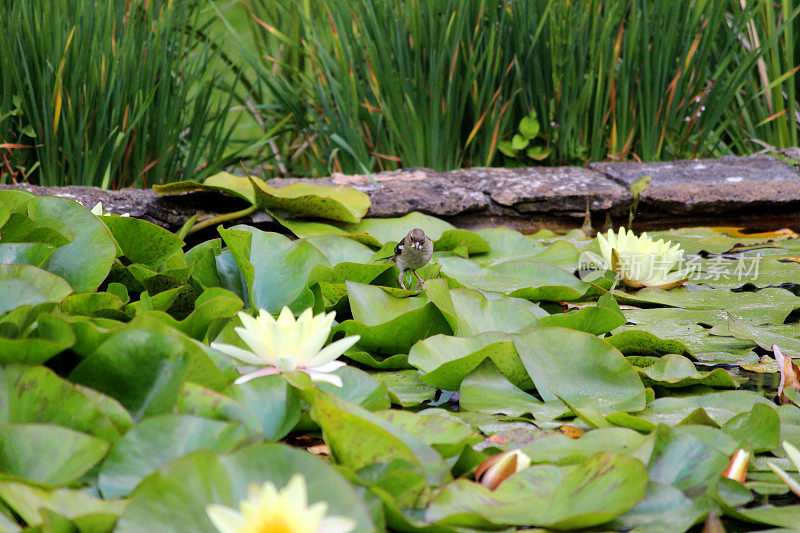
(288, 345)
(267, 510)
(640, 261)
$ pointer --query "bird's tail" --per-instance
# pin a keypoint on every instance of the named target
(385, 258)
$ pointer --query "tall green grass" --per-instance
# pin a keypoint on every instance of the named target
(377, 84)
(110, 93)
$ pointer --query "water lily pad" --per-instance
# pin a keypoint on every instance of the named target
(358, 438)
(157, 441)
(70, 453)
(760, 428)
(486, 390)
(143, 242)
(664, 509)
(386, 324)
(527, 279)
(27, 285)
(444, 235)
(585, 494)
(506, 244)
(595, 319)
(445, 361)
(763, 337)
(674, 370)
(224, 182)
(28, 253)
(180, 492)
(37, 343)
(405, 387)
(86, 261)
(35, 394)
(719, 406)
(266, 406)
(142, 369)
(274, 269)
(770, 305)
(321, 201)
(469, 312)
(33, 504)
(580, 369)
(684, 461)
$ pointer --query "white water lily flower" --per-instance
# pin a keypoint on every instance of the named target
(288, 345)
(97, 210)
(286, 511)
(640, 261)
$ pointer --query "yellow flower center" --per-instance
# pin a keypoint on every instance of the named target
(272, 524)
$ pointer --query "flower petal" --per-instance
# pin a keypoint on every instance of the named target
(333, 379)
(332, 351)
(225, 519)
(327, 368)
(336, 524)
(260, 373)
(242, 355)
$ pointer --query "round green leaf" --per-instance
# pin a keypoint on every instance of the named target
(159, 440)
(580, 369)
(69, 454)
(86, 261)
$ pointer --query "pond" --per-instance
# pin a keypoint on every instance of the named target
(562, 381)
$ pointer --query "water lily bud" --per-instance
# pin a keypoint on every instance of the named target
(737, 468)
(498, 468)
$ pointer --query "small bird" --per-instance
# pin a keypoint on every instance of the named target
(413, 252)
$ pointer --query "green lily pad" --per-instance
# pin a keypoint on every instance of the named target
(674, 370)
(444, 235)
(719, 406)
(389, 325)
(69, 453)
(580, 369)
(32, 504)
(760, 428)
(486, 390)
(596, 319)
(586, 494)
(684, 461)
(506, 244)
(275, 270)
(405, 387)
(267, 406)
(157, 441)
(143, 242)
(358, 438)
(142, 369)
(527, 279)
(224, 182)
(663, 509)
(770, 305)
(445, 361)
(86, 261)
(27, 285)
(34, 394)
(28, 253)
(180, 492)
(469, 312)
(47, 336)
(322, 201)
